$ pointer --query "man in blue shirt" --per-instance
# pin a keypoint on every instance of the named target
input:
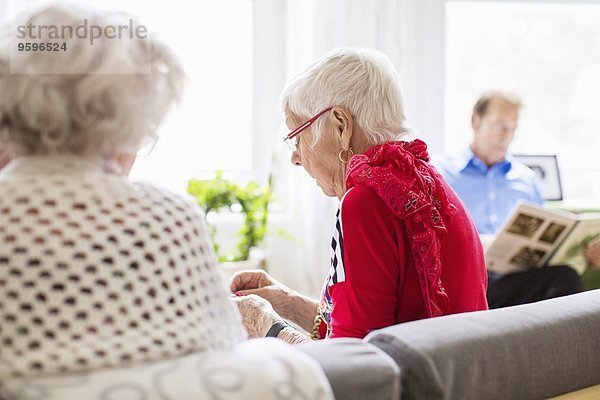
(490, 182)
(490, 192)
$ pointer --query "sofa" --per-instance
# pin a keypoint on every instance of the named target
(532, 351)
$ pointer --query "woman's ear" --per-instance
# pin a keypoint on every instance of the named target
(343, 124)
(5, 157)
(121, 163)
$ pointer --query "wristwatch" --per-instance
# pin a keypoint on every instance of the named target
(276, 328)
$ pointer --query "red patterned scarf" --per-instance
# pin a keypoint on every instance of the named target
(401, 176)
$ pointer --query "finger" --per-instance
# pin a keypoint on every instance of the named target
(250, 279)
(243, 280)
(249, 292)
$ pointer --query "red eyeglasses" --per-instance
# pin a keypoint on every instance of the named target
(291, 138)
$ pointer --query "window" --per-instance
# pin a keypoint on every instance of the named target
(548, 53)
(212, 127)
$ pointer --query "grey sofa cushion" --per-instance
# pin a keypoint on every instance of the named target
(356, 369)
(532, 351)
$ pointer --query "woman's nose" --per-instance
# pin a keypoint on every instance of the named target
(296, 158)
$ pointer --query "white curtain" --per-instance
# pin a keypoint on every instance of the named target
(288, 36)
(296, 33)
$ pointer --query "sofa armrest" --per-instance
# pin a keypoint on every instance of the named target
(532, 351)
(356, 369)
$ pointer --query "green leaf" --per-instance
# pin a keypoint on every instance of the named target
(218, 193)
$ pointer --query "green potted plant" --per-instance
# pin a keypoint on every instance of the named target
(251, 200)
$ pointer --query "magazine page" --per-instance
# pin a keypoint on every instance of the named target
(528, 238)
(571, 251)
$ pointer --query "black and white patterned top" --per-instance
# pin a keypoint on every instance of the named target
(337, 270)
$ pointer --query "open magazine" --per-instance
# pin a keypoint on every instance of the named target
(534, 237)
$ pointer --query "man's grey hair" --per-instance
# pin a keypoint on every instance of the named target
(363, 80)
(109, 107)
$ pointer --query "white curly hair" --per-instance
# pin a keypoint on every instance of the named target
(363, 80)
(88, 100)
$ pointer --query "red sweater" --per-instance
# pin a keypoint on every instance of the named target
(373, 280)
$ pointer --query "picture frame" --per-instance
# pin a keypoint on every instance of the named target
(546, 168)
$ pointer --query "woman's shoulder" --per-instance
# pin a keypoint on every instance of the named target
(95, 195)
(166, 198)
(360, 194)
(362, 202)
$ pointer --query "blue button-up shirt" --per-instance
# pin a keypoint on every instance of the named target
(490, 194)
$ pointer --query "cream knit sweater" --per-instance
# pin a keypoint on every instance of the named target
(98, 272)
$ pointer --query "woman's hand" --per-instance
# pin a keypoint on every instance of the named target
(260, 283)
(257, 315)
(286, 302)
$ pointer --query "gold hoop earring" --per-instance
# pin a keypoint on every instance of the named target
(348, 158)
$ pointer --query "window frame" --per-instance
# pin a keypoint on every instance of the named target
(430, 61)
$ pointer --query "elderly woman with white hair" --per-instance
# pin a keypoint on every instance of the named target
(109, 289)
(404, 247)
